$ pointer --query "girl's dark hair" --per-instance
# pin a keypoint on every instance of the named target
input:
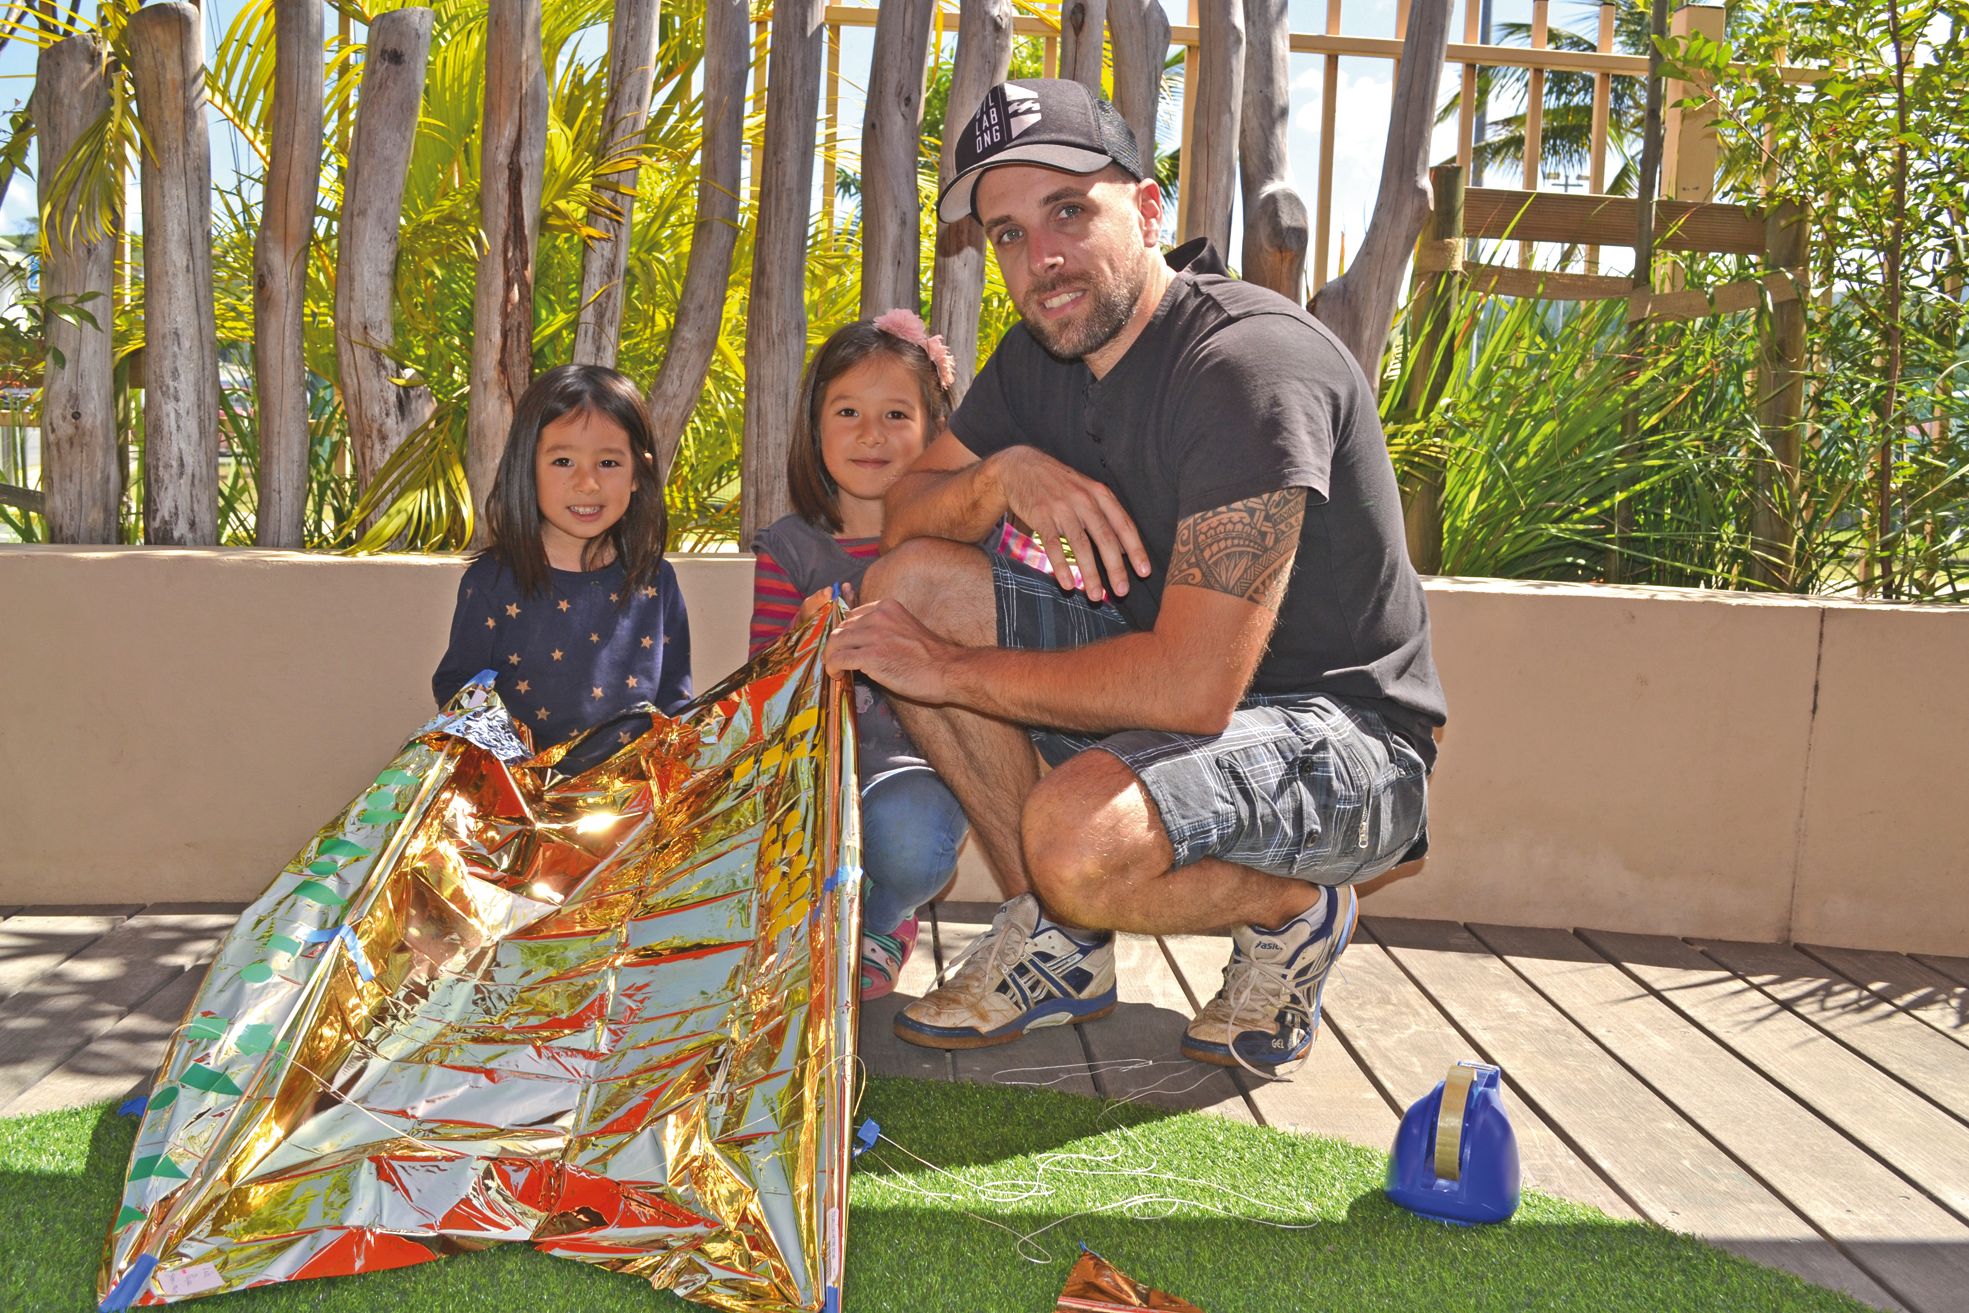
(513, 510)
(814, 493)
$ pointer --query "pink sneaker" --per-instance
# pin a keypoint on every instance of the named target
(882, 957)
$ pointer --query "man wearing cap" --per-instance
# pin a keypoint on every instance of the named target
(1230, 677)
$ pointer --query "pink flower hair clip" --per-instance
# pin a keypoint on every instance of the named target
(905, 324)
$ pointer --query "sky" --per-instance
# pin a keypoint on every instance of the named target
(1365, 92)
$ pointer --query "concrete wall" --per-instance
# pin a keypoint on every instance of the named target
(174, 724)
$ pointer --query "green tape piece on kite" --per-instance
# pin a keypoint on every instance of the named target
(127, 1216)
(324, 867)
(317, 892)
(207, 1027)
(166, 1096)
(341, 848)
(202, 1077)
(156, 1164)
(256, 974)
(390, 777)
(283, 944)
(380, 817)
(256, 1038)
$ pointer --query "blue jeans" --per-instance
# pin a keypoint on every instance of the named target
(910, 829)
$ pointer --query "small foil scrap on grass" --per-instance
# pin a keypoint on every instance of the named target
(1098, 1286)
(599, 1000)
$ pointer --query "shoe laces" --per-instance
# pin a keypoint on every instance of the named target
(1251, 982)
(981, 965)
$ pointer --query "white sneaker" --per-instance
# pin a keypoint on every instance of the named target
(1023, 973)
(1267, 1015)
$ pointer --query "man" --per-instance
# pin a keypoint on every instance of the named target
(1237, 703)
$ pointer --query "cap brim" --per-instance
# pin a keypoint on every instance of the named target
(957, 199)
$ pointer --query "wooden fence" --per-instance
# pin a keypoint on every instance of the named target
(1236, 56)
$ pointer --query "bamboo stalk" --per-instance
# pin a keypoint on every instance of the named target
(512, 167)
(1211, 106)
(892, 125)
(1274, 215)
(79, 469)
(1602, 111)
(181, 361)
(1329, 116)
(631, 77)
(1083, 24)
(983, 57)
(1534, 110)
(280, 256)
(1140, 32)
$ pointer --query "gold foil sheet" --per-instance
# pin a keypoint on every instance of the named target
(605, 1009)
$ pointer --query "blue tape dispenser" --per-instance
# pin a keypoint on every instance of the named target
(1456, 1156)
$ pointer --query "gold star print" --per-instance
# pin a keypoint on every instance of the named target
(522, 686)
(598, 692)
(622, 736)
(513, 609)
(646, 642)
(563, 604)
(513, 659)
(542, 714)
(615, 597)
(648, 591)
(594, 638)
(631, 681)
(490, 623)
(557, 654)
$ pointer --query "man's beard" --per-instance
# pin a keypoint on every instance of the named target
(1110, 305)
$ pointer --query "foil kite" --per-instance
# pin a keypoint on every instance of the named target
(600, 1000)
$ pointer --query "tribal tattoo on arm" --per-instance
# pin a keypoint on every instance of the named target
(1244, 549)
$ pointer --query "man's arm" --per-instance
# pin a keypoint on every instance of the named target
(950, 493)
(1227, 577)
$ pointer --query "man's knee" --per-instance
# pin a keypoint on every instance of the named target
(1088, 830)
(946, 585)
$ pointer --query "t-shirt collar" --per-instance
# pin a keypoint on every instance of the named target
(1196, 256)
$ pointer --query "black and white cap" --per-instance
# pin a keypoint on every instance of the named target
(1055, 123)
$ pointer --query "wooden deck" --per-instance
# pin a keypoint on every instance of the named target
(1805, 1107)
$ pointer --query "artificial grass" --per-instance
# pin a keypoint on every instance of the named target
(1008, 1162)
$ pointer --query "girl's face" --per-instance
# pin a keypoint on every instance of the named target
(584, 472)
(872, 426)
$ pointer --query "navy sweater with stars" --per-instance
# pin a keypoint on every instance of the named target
(573, 656)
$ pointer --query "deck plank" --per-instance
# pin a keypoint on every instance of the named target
(46, 1022)
(1912, 1247)
(1668, 1167)
(1955, 968)
(1052, 1056)
(1920, 991)
(1930, 1064)
(1919, 1141)
(119, 1062)
(1137, 1050)
(35, 943)
(1406, 1045)
(1329, 1095)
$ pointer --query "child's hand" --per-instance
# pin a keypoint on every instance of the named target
(819, 601)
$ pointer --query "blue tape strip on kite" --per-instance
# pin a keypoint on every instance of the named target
(831, 1302)
(486, 677)
(865, 1137)
(131, 1287)
(350, 942)
(846, 870)
(134, 1106)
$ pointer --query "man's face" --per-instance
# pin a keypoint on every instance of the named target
(1074, 250)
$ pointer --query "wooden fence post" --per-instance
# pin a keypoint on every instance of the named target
(1432, 345)
(512, 160)
(1359, 305)
(1781, 404)
(78, 398)
(984, 56)
(701, 300)
(1083, 25)
(631, 75)
(1209, 152)
(280, 273)
(1274, 214)
(181, 360)
(382, 408)
(1689, 148)
(892, 130)
(776, 317)
(1140, 32)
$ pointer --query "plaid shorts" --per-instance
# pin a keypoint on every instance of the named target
(1304, 785)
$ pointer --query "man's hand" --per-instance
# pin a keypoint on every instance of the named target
(1057, 502)
(892, 647)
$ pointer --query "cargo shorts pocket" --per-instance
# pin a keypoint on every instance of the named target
(1363, 794)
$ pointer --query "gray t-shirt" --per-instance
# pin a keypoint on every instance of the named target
(1232, 391)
